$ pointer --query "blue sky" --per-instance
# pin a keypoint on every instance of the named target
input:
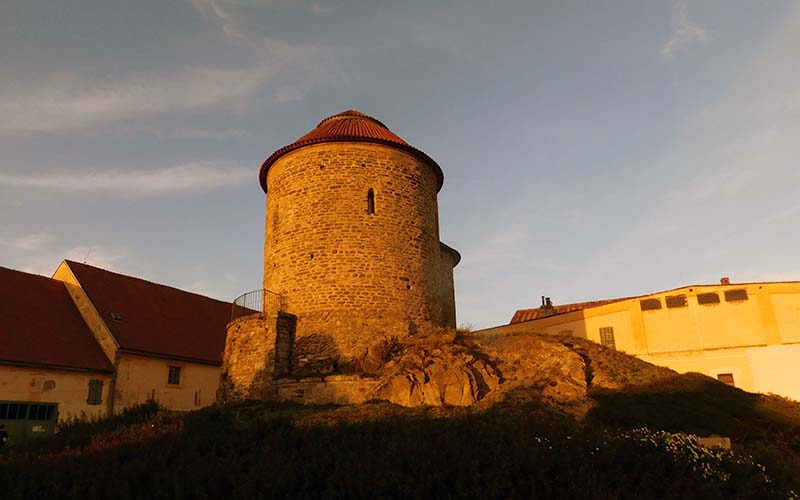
(591, 149)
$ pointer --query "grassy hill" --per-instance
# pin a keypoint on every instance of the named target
(629, 436)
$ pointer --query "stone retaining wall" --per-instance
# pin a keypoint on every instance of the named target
(257, 349)
(335, 389)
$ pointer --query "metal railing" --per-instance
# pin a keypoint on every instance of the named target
(258, 302)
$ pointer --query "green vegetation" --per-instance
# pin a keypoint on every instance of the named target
(628, 432)
(378, 450)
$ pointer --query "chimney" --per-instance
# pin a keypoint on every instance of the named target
(725, 281)
(547, 308)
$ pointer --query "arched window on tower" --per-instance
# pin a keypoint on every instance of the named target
(370, 201)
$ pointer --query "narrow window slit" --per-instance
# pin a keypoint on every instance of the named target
(370, 201)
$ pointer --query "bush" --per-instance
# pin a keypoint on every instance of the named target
(255, 450)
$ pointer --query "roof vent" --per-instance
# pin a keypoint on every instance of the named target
(116, 316)
(725, 281)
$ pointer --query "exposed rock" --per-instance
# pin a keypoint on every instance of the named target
(445, 369)
(534, 368)
(445, 374)
(559, 371)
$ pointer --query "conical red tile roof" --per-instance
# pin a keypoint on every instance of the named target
(350, 126)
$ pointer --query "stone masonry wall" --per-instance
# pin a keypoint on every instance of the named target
(336, 389)
(446, 288)
(257, 349)
(285, 327)
(354, 278)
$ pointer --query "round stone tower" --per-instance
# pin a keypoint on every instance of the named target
(352, 240)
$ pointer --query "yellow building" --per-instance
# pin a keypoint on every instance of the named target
(89, 342)
(50, 365)
(745, 334)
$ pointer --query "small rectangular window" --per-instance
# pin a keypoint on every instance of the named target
(22, 412)
(676, 301)
(51, 411)
(12, 411)
(735, 295)
(33, 412)
(174, 376)
(726, 378)
(3, 410)
(708, 298)
(650, 304)
(607, 337)
(95, 396)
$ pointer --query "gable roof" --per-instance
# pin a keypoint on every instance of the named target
(39, 324)
(350, 126)
(156, 319)
(530, 314)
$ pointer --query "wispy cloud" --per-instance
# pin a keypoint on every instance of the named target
(234, 26)
(28, 242)
(684, 31)
(206, 134)
(40, 252)
(230, 24)
(783, 213)
(265, 69)
(188, 178)
(68, 103)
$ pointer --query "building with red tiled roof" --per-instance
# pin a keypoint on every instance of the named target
(90, 342)
(152, 319)
(542, 312)
(745, 334)
(48, 355)
(166, 344)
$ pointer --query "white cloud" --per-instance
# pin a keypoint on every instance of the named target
(66, 103)
(684, 31)
(730, 194)
(229, 23)
(41, 252)
(235, 27)
(206, 134)
(191, 178)
(783, 213)
(265, 67)
(28, 242)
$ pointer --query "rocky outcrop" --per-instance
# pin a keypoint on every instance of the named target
(534, 368)
(446, 369)
(517, 368)
(436, 375)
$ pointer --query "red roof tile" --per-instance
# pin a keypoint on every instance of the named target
(40, 324)
(531, 314)
(350, 126)
(155, 318)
